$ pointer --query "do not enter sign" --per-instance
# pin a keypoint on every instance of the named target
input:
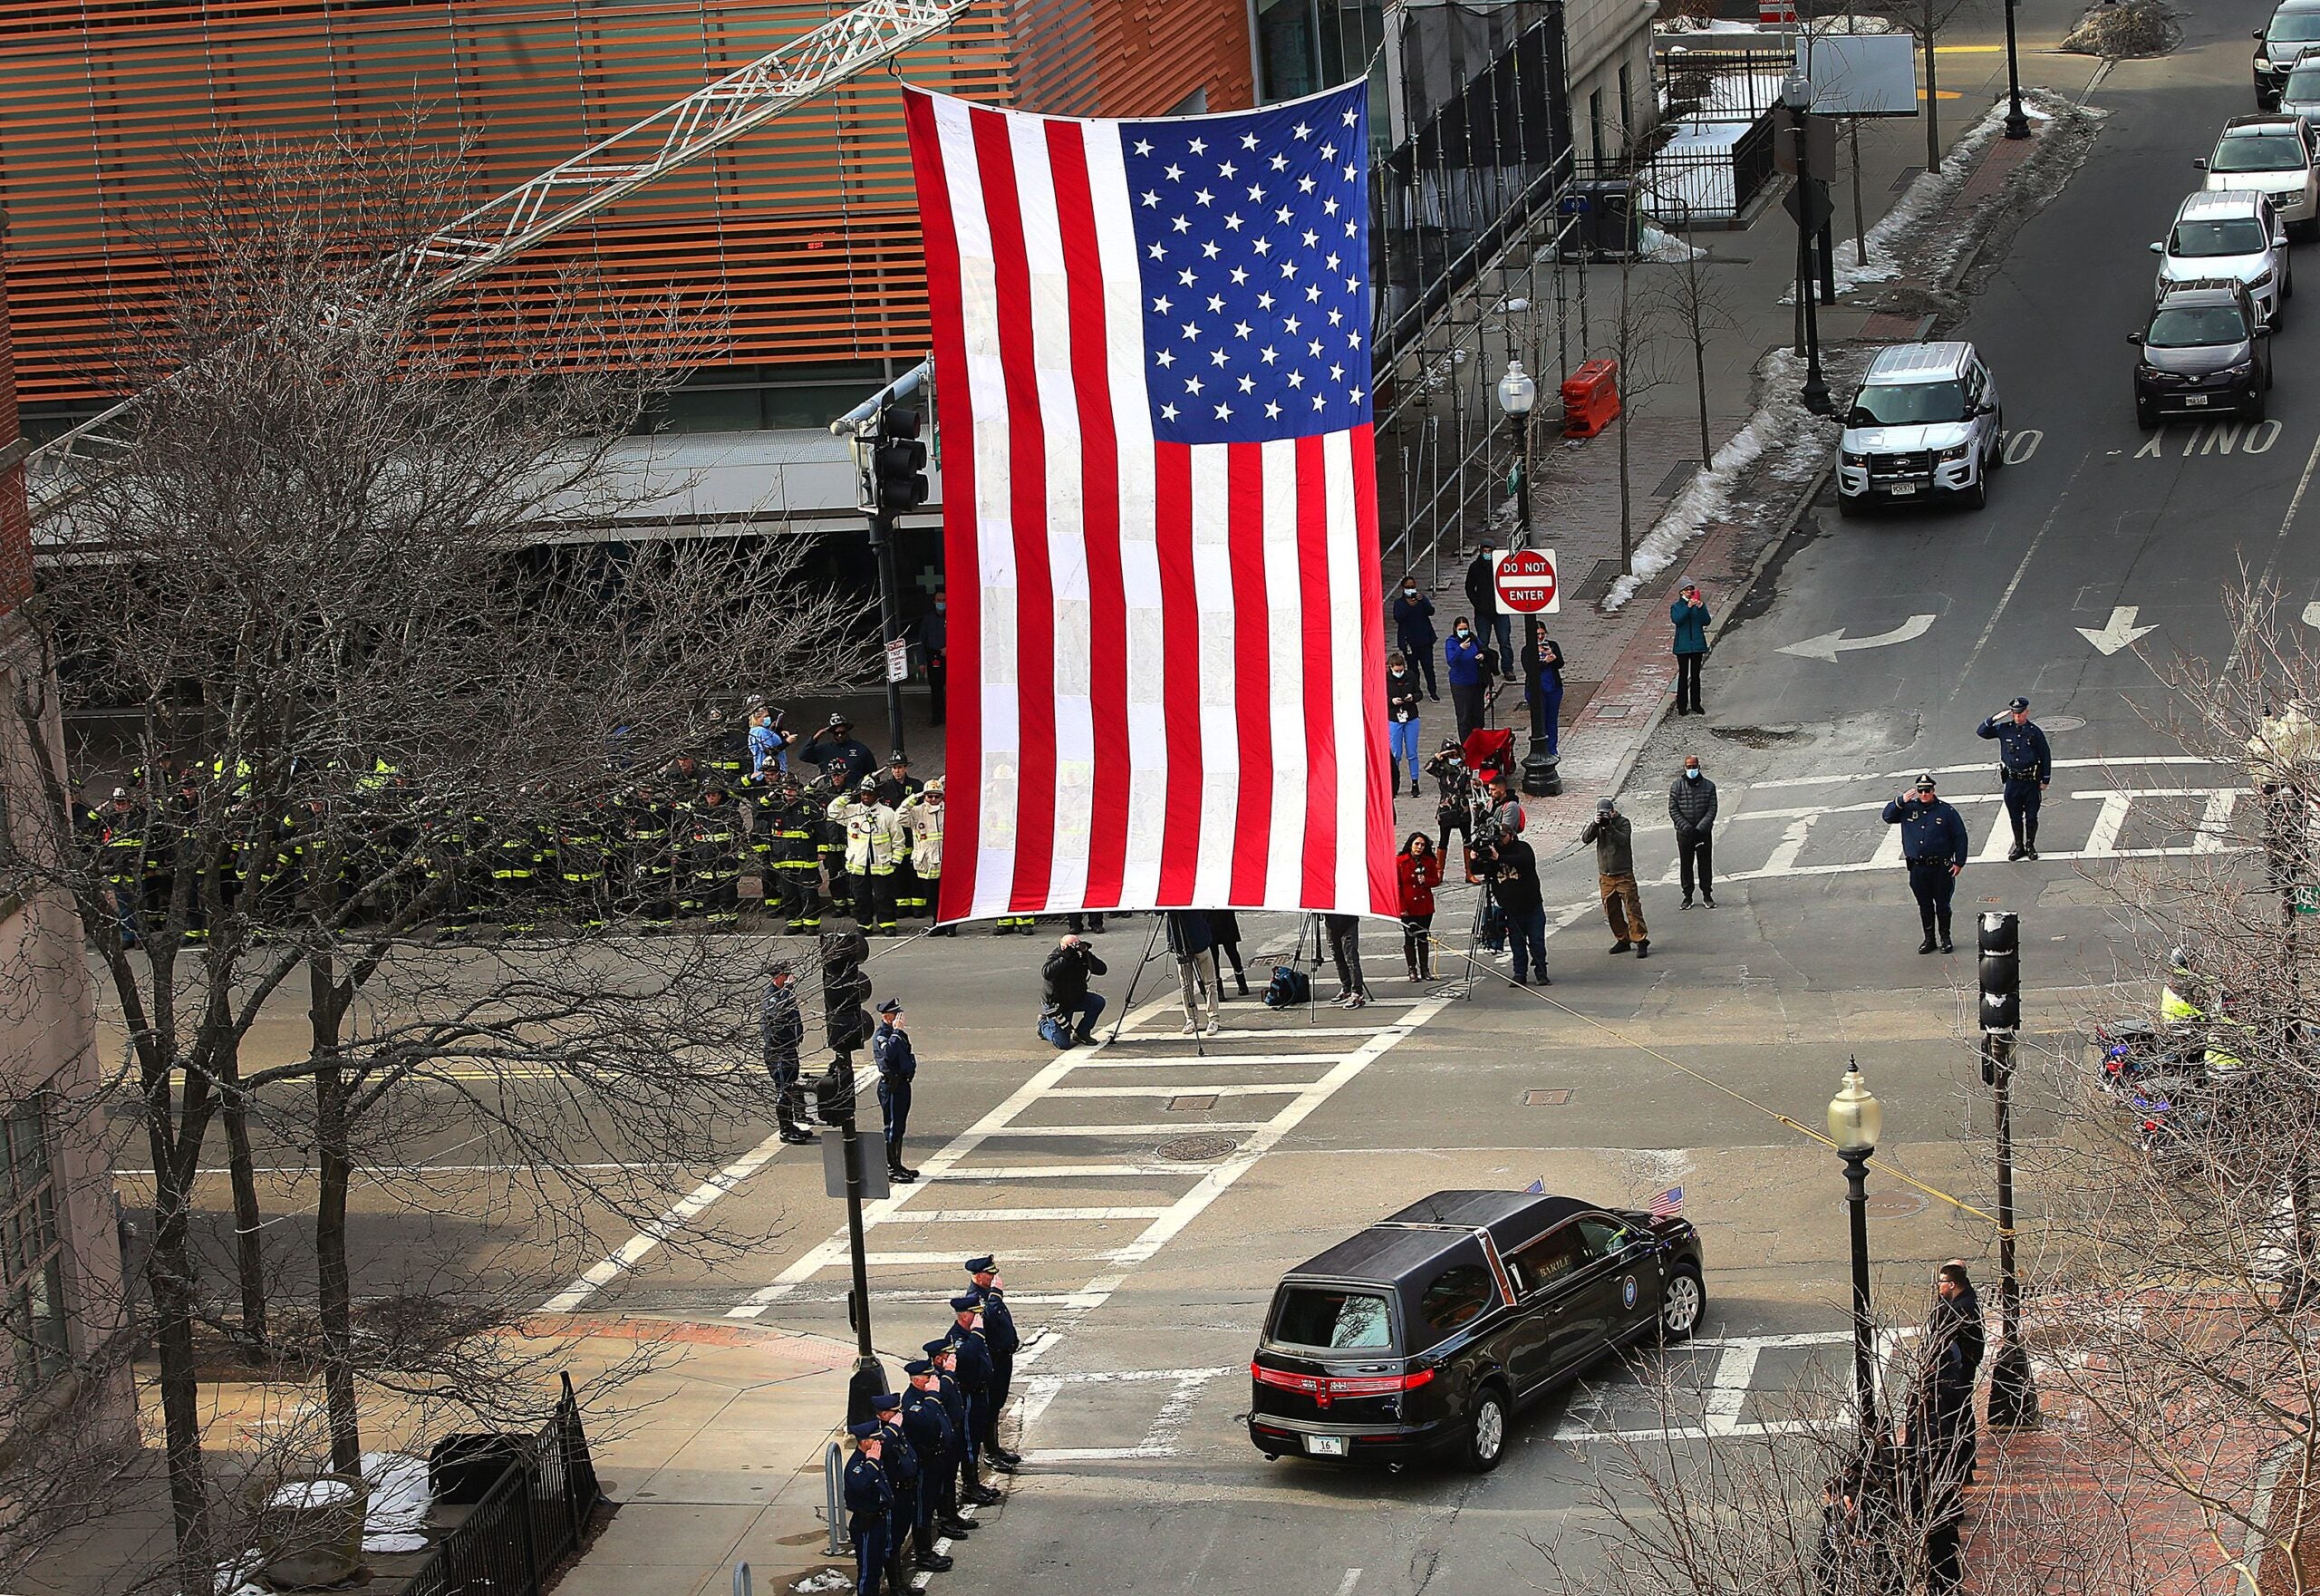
(1526, 582)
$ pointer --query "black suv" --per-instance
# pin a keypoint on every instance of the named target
(1424, 1333)
(2204, 350)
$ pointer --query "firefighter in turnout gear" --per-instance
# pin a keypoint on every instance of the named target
(920, 818)
(713, 858)
(2024, 766)
(650, 844)
(895, 788)
(874, 839)
(796, 858)
(829, 798)
(583, 838)
(517, 855)
(760, 808)
(120, 851)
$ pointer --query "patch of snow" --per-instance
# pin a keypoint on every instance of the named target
(1666, 247)
(398, 1494)
(311, 1494)
(412, 1542)
(827, 1579)
(1781, 424)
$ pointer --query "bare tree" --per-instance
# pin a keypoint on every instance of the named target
(362, 694)
(1691, 298)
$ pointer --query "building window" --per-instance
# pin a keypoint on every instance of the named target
(32, 1252)
(1627, 106)
(1595, 141)
(1288, 49)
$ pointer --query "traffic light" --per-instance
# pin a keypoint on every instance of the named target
(2001, 973)
(846, 988)
(898, 462)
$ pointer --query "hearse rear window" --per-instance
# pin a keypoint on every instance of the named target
(1323, 1316)
(1457, 1294)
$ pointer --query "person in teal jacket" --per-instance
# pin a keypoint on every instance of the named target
(1691, 618)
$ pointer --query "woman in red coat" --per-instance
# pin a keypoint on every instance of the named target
(1418, 869)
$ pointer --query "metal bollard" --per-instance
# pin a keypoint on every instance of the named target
(834, 1499)
(741, 1580)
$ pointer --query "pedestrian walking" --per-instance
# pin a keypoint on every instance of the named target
(1691, 809)
(1225, 931)
(1482, 592)
(1417, 871)
(1414, 631)
(1614, 840)
(1463, 656)
(1345, 949)
(1454, 784)
(782, 1028)
(973, 1352)
(1401, 723)
(906, 1474)
(1933, 847)
(1196, 952)
(1691, 620)
(1515, 887)
(2025, 764)
(869, 1507)
(897, 1063)
(1064, 993)
(1000, 1334)
(928, 1426)
(1542, 685)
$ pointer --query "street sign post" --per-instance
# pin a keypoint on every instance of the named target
(1526, 582)
(898, 659)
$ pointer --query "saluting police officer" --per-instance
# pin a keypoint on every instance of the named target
(1933, 845)
(965, 1335)
(869, 1507)
(905, 1471)
(897, 1067)
(929, 1429)
(999, 1335)
(945, 1355)
(2025, 765)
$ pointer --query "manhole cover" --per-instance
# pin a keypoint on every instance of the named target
(1546, 1097)
(1192, 1102)
(1195, 1149)
(2063, 723)
(1894, 1205)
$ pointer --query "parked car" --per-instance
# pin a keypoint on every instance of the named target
(2229, 234)
(2272, 155)
(2204, 350)
(1424, 1334)
(1926, 420)
(2294, 25)
(2300, 96)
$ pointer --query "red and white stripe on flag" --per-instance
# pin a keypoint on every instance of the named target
(1166, 656)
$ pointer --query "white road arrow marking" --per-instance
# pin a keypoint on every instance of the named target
(2121, 631)
(1830, 644)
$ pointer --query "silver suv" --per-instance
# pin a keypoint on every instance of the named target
(2300, 97)
(2232, 233)
(1925, 421)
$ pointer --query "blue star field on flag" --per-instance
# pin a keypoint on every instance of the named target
(1252, 236)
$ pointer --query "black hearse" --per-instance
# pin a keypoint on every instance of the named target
(1421, 1335)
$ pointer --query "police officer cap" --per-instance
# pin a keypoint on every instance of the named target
(918, 1366)
(1925, 781)
(890, 1007)
(884, 1402)
(979, 1265)
(2018, 704)
(936, 1349)
(973, 1300)
(863, 1431)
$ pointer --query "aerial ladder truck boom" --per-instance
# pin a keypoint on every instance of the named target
(500, 230)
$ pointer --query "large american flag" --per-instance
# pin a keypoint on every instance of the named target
(1152, 359)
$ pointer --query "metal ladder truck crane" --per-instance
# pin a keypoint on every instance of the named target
(500, 230)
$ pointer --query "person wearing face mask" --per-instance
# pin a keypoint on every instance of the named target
(1401, 722)
(1482, 592)
(1691, 809)
(1414, 631)
(1464, 654)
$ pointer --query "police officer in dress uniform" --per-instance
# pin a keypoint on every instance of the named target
(782, 1030)
(869, 1506)
(973, 1352)
(897, 1064)
(929, 1429)
(945, 1353)
(1933, 845)
(999, 1335)
(907, 1472)
(2025, 765)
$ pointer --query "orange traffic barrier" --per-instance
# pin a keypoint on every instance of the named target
(1590, 399)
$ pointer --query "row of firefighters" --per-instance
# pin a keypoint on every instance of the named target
(677, 848)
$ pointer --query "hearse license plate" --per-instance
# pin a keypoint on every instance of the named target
(1325, 1445)
(2191, 399)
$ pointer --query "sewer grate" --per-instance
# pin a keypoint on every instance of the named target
(1598, 581)
(1546, 1097)
(1198, 1149)
(1192, 1102)
(1894, 1205)
(1907, 176)
(1677, 476)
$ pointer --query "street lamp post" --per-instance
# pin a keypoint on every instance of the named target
(1796, 94)
(2018, 125)
(1855, 1122)
(1542, 776)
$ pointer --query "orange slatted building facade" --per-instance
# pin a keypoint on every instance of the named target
(806, 230)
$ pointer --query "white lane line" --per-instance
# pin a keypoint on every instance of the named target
(1026, 1254)
(2109, 821)
(1983, 767)
(1791, 844)
(1028, 1215)
(1728, 1389)
(2271, 562)
(2215, 825)
(690, 1207)
(1346, 1585)
(1271, 1033)
(1138, 1131)
(2001, 840)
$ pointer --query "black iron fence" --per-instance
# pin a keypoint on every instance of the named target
(535, 1512)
